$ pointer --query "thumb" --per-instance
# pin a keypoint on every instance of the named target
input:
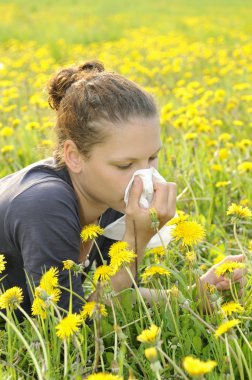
(135, 192)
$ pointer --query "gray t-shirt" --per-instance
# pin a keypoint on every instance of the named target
(40, 227)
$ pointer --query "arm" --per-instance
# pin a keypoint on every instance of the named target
(138, 224)
(221, 283)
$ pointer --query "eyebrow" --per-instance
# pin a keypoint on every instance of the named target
(133, 158)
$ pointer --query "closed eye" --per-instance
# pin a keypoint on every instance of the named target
(124, 167)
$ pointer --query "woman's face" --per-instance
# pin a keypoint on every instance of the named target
(129, 147)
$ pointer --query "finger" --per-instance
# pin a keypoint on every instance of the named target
(160, 197)
(243, 283)
(172, 199)
(223, 285)
(135, 194)
(239, 273)
(164, 200)
(237, 258)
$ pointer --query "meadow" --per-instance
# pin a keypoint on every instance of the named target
(195, 58)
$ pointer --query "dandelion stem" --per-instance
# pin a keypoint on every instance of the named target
(99, 251)
(115, 324)
(178, 370)
(71, 293)
(65, 357)
(136, 359)
(139, 294)
(237, 239)
(97, 348)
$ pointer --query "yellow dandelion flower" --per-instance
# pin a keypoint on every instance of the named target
(156, 253)
(11, 298)
(228, 267)
(238, 123)
(174, 291)
(68, 264)
(103, 274)
(39, 307)
(190, 136)
(7, 149)
(47, 143)
(68, 325)
(224, 327)
(104, 376)
(117, 247)
(239, 211)
(6, 132)
(122, 258)
(243, 144)
(154, 270)
(244, 202)
(223, 154)
(91, 232)
(216, 167)
(209, 288)
(51, 294)
(151, 354)
(232, 307)
(190, 233)
(2, 263)
(250, 245)
(177, 219)
(225, 137)
(91, 309)
(150, 335)
(49, 279)
(244, 166)
(220, 256)
(196, 367)
(222, 184)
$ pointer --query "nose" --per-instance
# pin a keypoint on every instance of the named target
(143, 166)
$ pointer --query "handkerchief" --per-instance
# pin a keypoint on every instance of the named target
(116, 229)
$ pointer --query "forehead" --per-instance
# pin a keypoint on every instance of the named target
(133, 138)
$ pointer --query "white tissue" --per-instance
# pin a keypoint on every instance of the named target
(116, 229)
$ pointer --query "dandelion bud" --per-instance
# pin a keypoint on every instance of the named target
(151, 354)
(154, 218)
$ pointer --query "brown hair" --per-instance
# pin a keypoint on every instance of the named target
(85, 95)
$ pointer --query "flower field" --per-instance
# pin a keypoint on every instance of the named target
(197, 64)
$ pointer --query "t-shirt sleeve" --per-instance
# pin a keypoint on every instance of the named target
(46, 231)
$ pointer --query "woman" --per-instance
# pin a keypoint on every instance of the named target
(107, 128)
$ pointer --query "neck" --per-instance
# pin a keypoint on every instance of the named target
(89, 210)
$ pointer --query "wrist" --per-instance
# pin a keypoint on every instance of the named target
(135, 242)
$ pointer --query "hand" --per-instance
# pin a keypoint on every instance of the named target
(164, 201)
(223, 283)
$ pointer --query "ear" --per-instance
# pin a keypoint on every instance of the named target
(72, 157)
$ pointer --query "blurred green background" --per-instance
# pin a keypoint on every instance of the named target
(78, 21)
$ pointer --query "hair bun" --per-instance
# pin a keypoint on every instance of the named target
(61, 81)
(59, 84)
(92, 66)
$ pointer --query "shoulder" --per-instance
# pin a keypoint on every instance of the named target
(46, 196)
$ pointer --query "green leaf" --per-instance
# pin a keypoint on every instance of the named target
(197, 344)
